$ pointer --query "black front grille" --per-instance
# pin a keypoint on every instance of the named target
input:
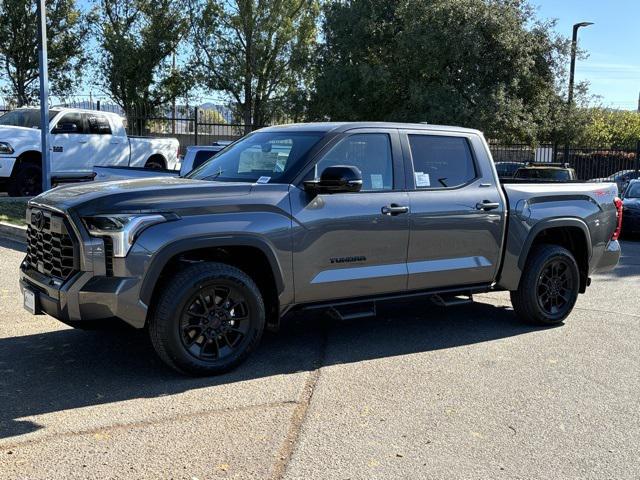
(50, 248)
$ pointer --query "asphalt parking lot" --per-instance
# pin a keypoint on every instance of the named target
(418, 392)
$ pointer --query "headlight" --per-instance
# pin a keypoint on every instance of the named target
(5, 148)
(122, 229)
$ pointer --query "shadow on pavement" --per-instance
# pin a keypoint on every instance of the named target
(13, 245)
(68, 369)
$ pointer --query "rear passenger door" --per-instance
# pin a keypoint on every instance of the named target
(107, 149)
(457, 210)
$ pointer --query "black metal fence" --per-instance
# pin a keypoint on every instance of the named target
(589, 162)
(206, 124)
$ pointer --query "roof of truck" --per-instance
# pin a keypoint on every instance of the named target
(345, 126)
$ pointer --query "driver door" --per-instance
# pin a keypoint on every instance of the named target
(344, 245)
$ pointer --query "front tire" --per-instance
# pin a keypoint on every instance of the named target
(549, 286)
(209, 319)
(26, 182)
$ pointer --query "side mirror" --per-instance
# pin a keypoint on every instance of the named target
(336, 179)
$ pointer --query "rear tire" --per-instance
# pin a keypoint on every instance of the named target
(26, 181)
(155, 164)
(549, 286)
(208, 320)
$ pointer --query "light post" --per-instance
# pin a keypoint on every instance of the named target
(44, 95)
(574, 49)
(572, 73)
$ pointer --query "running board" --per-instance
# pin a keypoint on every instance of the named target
(353, 312)
(452, 300)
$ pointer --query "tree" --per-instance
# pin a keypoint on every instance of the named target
(19, 47)
(136, 41)
(610, 128)
(255, 51)
(478, 63)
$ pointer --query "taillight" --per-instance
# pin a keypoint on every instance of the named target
(616, 233)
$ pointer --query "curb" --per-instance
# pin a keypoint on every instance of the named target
(13, 232)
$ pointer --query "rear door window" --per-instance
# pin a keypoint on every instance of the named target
(98, 124)
(441, 161)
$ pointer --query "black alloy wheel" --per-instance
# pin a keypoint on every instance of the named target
(549, 286)
(208, 318)
(554, 288)
(214, 322)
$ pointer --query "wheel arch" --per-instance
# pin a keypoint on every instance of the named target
(159, 157)
(30, 156)
(568, 232)
(252, 255)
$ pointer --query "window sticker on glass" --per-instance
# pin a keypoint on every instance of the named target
(422, 179)
(376, 181)
(263, 180)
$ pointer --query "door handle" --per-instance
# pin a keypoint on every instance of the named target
(394, 209)
(486, 205)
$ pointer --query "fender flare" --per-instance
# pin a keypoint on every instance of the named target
(166, 253)
(554, 223)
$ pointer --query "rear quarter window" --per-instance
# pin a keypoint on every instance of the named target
(441, 161)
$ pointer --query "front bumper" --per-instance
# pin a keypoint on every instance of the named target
(6, 166)
(85, 297)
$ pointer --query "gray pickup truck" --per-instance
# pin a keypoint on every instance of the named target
(337, 216)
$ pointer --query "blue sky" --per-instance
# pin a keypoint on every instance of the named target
(613, 45)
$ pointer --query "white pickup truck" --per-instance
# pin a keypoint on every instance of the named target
(78, 141)
(194, 157)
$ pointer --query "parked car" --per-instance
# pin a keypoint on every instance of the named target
(631, 208)
(332, 216)
(508, 169)
(620, 178)
(551, 172)
(79, 139)
(195, 156)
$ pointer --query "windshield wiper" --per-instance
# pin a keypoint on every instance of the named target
(214, 175)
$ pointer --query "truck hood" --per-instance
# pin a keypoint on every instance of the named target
(21, 138)
(160, 194)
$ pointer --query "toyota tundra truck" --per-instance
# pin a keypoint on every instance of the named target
(78, 141)
(332, 216)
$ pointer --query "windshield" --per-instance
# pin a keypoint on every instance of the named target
(543, 173)
(633, 191)
(26, 117)
(266, 157)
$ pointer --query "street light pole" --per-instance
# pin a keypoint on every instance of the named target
(574, 49)
(44, 95)
(572, 74)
